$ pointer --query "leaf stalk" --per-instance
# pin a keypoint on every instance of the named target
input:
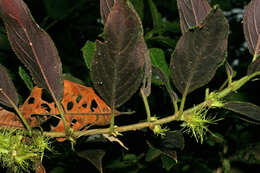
(146, 105)
(18, 112)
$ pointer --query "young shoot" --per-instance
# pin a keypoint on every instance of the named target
(19, 152)
(196, 124)
(158, 129)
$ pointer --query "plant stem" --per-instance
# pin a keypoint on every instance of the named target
(112, 121)
(235, 86)
(223, 85)
(62, 115)
(119, 129)
(146, 104)
(183, 100)
(175, 105)
(18, 112)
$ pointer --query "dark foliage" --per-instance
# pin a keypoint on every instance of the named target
(72, 23)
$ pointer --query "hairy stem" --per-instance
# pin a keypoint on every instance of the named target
(234, 87)
(112, 122)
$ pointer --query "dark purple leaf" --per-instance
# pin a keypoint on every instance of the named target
(173, 140)
(95, 156)
(147, 80)
(33, 46)
(251, 25)
(247, 109)
(254, 67)
(118, 63)
(168, 145)
(199, 52)
(192, 12)
(229, 70)
(7, 89)
(105, 8)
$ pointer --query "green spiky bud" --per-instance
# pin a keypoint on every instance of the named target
(18, 152)
(196, 123)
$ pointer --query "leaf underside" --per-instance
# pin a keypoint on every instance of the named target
(254, 67)
(33, 46)
(118, 63)
(199, 52)
(147, 79)
(251, 26)
(7, 86)
(249, 110)
(105, 8)
(192, 12)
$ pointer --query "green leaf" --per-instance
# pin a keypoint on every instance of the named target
(139, 7)
(249, 110)
(26, 78)
(129, 163)
(158, 60)
(226, 165)
(118, 63)
(163, 40)
(156, 16)
(68, 76)
(4, 43)
(199, 53)
(167, 162)
(152, 153)
(57, 9)
(95, 156)
(88, 52)
(130, 157)
(118, 164)
(248, 154)
(171, 26)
